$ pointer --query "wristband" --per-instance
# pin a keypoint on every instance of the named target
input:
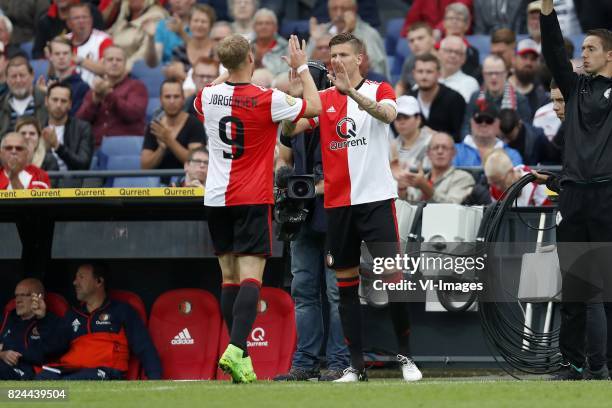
(302, 68)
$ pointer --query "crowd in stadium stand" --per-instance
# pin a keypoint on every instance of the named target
(474, 68)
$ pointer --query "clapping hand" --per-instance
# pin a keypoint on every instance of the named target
(161, 133)
(39, 307)
(297, 53)
(50, 137)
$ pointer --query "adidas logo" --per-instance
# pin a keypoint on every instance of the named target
(331, 110)
(182, 338)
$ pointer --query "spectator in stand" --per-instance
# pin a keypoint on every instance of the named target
(529, 141)
(490, 15)
(23, 335)
(3, 61)
(441, 107)
(525, 77)
(267, 46)
(550, 116)
(503, 44)
(89, 42)
(365, 70)
(262, 77)
(169, 34)
(282, 82)
(483, 139)
(322, 52)
(452, 57)
(136, 19)
(24, 15)
(16, 173)
(70, 139)
(409, 150)
(203, 73)
(198, 45)
(196, 168)
(501, 174)
(61, 69)
(38, 151)
(22, 99)
(99, 351)
(219, 31)
(6, 29)
(420, 41)
(496, 91)
(116, 104)
(457, 20)
(242, 12)
(430, 12)
(55, 22)
(171, 136)
(533, 23)
(344, 18)
(443, 183)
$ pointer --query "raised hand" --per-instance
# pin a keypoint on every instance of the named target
(39, 307)
(316, 30)
(297, 53)
(340, 79)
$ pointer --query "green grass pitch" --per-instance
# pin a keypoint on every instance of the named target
(376, 393)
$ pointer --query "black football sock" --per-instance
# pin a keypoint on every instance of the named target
(245, 312)
(229, 291)
(350, 315)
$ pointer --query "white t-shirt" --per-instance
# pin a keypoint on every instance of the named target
(59, 131)
(20, 105)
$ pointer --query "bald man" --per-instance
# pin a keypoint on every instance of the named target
(23, 333)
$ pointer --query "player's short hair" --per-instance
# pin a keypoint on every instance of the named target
(428, 57)
(18, 61)
(61, 84)
(204, 9)
(421, 25)
(195, 151)
(604, 35)
(503, 35)
(344, 38)
(233, 51)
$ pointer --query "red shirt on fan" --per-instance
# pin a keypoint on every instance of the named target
(355, 147)
(32, 178)
(241, 122)
(532, 194)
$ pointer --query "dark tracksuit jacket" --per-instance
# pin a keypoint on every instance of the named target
(28, 337)
(104, 339)
(585, 202)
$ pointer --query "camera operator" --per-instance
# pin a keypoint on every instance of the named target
(301, 155)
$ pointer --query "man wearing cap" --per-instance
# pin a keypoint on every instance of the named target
(409, 150)
(485, 129)
(525, 76)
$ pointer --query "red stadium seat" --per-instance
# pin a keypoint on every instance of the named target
(136, 302)
(185, 326)
(55, 303)
(273, 339)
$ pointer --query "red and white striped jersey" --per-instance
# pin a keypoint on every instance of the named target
(355, 147)
(93, 48)
(241, 122)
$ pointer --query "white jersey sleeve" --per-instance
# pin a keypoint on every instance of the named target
(286, 107)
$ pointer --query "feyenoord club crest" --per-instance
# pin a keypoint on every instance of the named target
(185, 307)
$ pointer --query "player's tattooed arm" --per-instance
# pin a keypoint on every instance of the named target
(290, 128)
(381, 111)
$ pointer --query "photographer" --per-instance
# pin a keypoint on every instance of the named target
(301, 155)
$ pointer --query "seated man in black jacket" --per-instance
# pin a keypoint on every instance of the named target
(24, 332)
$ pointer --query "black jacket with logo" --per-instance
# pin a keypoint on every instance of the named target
(588, 111)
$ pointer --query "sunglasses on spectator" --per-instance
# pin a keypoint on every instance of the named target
(484, 119)
(10, 148)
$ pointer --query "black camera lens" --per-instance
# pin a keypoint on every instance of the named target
(300, 188)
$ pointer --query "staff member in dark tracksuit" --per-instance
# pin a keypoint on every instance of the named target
(585, 196)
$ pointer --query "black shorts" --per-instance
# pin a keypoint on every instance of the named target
(375, 223)
(241, 229)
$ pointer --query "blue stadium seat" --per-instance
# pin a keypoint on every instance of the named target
(394, 27)
(482, 43)
(121, 145)
(136, 182)
(27, 48)
(299, 27)
(123, 162)
(153, 107)
(402, 50)
(152, 77)
(40, 67)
